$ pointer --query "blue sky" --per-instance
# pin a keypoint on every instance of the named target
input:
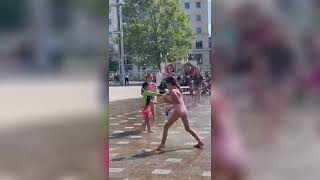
(209, 14)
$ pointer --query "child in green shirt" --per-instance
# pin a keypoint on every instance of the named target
(148, 95)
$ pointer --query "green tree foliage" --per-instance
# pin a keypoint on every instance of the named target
(156, 31)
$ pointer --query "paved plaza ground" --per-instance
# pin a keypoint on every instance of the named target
(64, 142)
(130, 156)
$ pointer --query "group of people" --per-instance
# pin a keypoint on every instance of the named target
(167, 86)
(192, 80)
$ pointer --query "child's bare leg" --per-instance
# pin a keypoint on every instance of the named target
(148, 126)
(196, 97)
(173, 118)
(143, 127)
(189, 130)
(153, 111)
(199, 96)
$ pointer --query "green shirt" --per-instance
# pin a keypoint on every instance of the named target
(147, 97)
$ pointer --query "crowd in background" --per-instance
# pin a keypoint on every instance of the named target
(192, 81)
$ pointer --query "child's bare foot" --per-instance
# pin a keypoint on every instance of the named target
(160, 147)
(151, 131)
(143, 128)
(199, 145)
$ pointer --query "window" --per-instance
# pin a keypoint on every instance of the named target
(199, 45)
(198, 57)
(110, 22)
(198, 4)
(187, 5)
(198, 30)
(198, 17)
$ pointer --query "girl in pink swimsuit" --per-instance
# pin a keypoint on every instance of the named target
(228, 151)
(180, 111)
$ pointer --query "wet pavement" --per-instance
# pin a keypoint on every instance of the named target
(132, 154)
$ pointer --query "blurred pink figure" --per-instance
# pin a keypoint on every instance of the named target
(311, 79)
(228, 152)
(105, 158)
(272, 67)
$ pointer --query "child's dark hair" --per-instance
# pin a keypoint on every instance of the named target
(172, 81)
(145, 84)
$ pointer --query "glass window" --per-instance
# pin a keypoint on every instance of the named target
(110, 22)
(198, 30)
(198, 17)
(198, 4)
(199, 45)
(187, 5)
(198, 57)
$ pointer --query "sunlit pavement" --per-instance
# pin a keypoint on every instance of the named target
(117, 93)
(24, 102)
(51, 128)
(53, 150)
(131, 154)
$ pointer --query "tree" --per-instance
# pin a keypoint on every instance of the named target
(156, 31)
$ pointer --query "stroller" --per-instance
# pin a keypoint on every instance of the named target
(162, 87)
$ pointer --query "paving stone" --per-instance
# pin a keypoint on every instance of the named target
(161, 171)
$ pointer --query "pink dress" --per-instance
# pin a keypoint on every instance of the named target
(227, 148)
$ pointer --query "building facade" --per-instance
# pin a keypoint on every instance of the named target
(113, 25)
(197, 10)
(113, 45)
(43, 26)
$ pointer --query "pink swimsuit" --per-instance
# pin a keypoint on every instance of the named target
(180, 107)
(226, 143)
